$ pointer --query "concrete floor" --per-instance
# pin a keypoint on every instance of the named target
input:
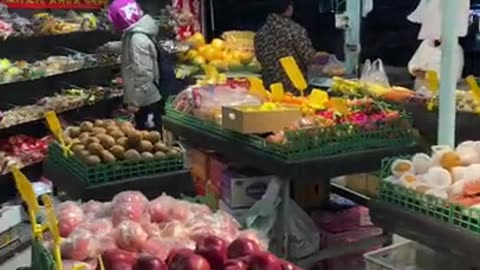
(20, 260)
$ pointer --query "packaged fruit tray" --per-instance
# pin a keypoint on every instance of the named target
(302, 144)
(424, 204)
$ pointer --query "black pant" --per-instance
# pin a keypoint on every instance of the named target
(141, 116)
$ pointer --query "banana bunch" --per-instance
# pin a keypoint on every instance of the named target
(357, 88)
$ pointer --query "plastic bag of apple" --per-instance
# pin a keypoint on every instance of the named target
(133, 233)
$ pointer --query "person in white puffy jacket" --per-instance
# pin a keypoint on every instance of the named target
(428, 57)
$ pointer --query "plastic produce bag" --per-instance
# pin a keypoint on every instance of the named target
(325, 65)
(374, 73)
(303, 238)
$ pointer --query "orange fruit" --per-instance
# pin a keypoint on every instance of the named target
(218, 44)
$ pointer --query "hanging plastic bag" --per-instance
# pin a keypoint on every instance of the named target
(375, 74)
(303, 235)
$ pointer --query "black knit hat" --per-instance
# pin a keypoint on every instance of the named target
(280, 6)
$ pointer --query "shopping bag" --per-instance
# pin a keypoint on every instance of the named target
(303, 235)
(374, 73)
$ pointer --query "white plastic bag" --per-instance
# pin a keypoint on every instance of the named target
(374, 73)
(304, 237)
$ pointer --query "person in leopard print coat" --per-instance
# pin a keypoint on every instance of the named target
(279, 37)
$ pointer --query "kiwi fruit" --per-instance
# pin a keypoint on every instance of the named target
(153, 136)
(99, 123)
(160, 154)
(67, 139)
(144, 134)
(84, 135)
(147, 155)
(123, 141)
(82, 154)
(134, 138)
(145, 146)
(107, 141)
(107, 157)
(77, 148)
(118, 151)
(74, 132)
(116, 133)
(160, 146)
(132, 154)
(99, 130)
(95, 148)
(172, 153)
(126, 127)
(109, 122)
(91, 140)
(86, 126)
(92, 160)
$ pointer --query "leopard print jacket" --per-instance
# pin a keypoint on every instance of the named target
(279, 37)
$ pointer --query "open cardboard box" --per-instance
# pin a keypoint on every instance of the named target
(242, 119)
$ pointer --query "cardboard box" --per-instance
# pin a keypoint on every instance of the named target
(310, 195)
(243, 121)
(239, 191)
(367, 184)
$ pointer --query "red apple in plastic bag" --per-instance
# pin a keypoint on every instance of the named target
(132, 197)
(70, 215)
(79, 246)
(235, 265)
(183, 261)
(127, 211)
(214, 249)
(130, 235)
(289, 266)
(146, 262)
(117, 258)
(242, 247)
(264, 261)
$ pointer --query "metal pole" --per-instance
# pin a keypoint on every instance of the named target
(448, 80)
(352, 35)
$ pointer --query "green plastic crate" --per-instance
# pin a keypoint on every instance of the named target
(119, 170)
(329, 141)
(431, 206)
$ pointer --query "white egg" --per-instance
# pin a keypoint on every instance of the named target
(421, 163)
(401, 166)
(468, 154)
(439, 193)
(438, 178)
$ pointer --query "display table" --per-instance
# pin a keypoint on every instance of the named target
(310, 169)
(440, 236)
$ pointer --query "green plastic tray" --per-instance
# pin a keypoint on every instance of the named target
(466, 218)
(119, 170)
(328, 141)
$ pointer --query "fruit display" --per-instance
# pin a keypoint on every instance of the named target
(357, 88)
(68, 99)
(108, 141)
(22, 150)
(448, 174)
(361, 115)
(15, 25)
(131, 232)
(14, 71)
(217, 55)
(239, 41)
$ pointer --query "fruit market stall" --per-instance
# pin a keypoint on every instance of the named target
(293, 137)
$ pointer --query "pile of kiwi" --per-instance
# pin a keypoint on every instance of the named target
(107, 141)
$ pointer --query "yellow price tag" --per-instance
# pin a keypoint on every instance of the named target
(257, 88)
(433, 81)
(472, 83)
(57, 130)
(277, 92)
(317, 99)
(25, 189)
(434, 85)
(28, 195)
(52, 224)
(294, 73)
(340, 105)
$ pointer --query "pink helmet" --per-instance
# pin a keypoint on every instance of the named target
(124, 13)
